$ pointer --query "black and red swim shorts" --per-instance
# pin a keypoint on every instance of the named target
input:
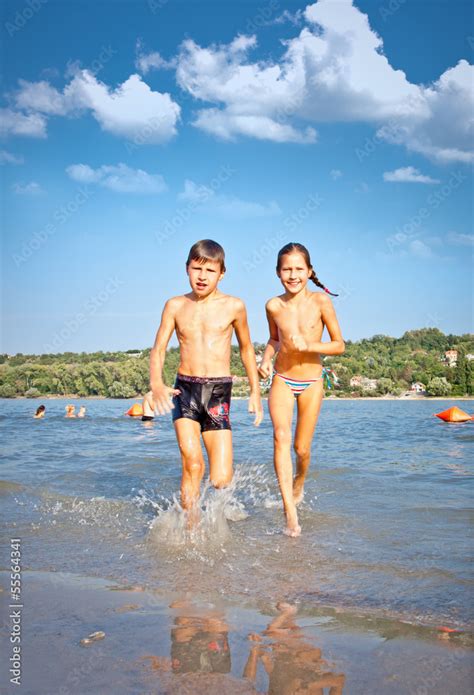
(203, 399)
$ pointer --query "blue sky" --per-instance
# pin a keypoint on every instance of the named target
(132, 129)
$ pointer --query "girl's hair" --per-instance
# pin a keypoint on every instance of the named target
(207, 250)
(295, 247)
(40, 409)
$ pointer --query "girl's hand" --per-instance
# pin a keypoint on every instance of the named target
(265, 369)
(299, 343)
(161, 398)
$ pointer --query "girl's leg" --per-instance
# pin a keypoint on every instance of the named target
(309, 406)
(281, 404)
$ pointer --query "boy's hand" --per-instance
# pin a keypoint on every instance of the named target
(255, 406)
(161, 397)
(265, 369)
(299, 343)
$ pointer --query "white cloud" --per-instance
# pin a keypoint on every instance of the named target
(195, 192)
(408, 175)
(460, 239)
(334, 70)
(227, 125)
(287, 16)
(119, 178)
(420, 249)
(31, 188)
(41, 97)
(144, 62)
(228, 206)
(16, 123)
(132, 110)
(335, 174)
(446, 132)
(128, 110)
(9, 158)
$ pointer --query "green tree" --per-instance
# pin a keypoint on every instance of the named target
(438, 386)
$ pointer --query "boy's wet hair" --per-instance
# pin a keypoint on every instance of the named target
(207, 250)
(40, 409)
(295, 247)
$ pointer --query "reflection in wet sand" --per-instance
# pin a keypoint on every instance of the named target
(200, 659)
(294, 666)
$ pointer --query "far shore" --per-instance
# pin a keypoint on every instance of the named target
(244, 398)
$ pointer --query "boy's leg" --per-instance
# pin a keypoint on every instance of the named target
(188, 434)
(281, 404)
(309, 406)
(218, 445)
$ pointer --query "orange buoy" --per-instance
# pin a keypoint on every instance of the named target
(454, 414)
(135, 411)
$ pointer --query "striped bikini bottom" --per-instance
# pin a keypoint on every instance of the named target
(297, 386)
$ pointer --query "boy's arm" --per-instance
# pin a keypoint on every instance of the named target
(247, 354)
(160, 392)
(336, 345)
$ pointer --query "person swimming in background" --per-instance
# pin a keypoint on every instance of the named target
(296, 321)
(82, 411)
(40, 412)
(70, 411)
(204, 320)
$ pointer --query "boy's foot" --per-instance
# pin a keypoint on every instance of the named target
(298, 489)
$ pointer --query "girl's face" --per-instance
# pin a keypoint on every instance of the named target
(294, 273)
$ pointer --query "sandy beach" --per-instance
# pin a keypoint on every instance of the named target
(173, 644)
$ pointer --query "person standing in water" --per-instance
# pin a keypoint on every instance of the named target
(296, 321)
(204, 320)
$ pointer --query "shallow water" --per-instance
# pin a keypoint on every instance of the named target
(386, 516)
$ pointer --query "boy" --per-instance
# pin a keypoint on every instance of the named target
(204, 321)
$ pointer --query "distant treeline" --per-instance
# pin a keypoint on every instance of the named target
(395, 364)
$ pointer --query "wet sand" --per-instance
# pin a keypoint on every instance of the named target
(175, 644)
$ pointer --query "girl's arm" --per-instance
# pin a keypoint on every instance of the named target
(273, 345)
(336, 345)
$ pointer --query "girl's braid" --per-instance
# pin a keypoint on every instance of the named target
(317, 282)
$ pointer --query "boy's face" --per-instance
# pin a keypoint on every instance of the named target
(294, 273)
(204, 276)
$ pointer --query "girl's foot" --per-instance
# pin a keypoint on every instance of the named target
(298, 489)
(293, 531)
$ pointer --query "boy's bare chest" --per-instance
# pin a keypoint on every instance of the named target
(196, 320)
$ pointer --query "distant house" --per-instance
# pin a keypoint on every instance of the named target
(469, 357)
(363, 382)
(418, 387)
(134, 354)
(451, 357)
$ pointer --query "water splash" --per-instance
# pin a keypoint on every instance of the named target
(209, 527)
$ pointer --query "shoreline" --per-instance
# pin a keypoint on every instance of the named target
(183, 644)
(244, 398)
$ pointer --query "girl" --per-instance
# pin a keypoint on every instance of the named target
(296, 321)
